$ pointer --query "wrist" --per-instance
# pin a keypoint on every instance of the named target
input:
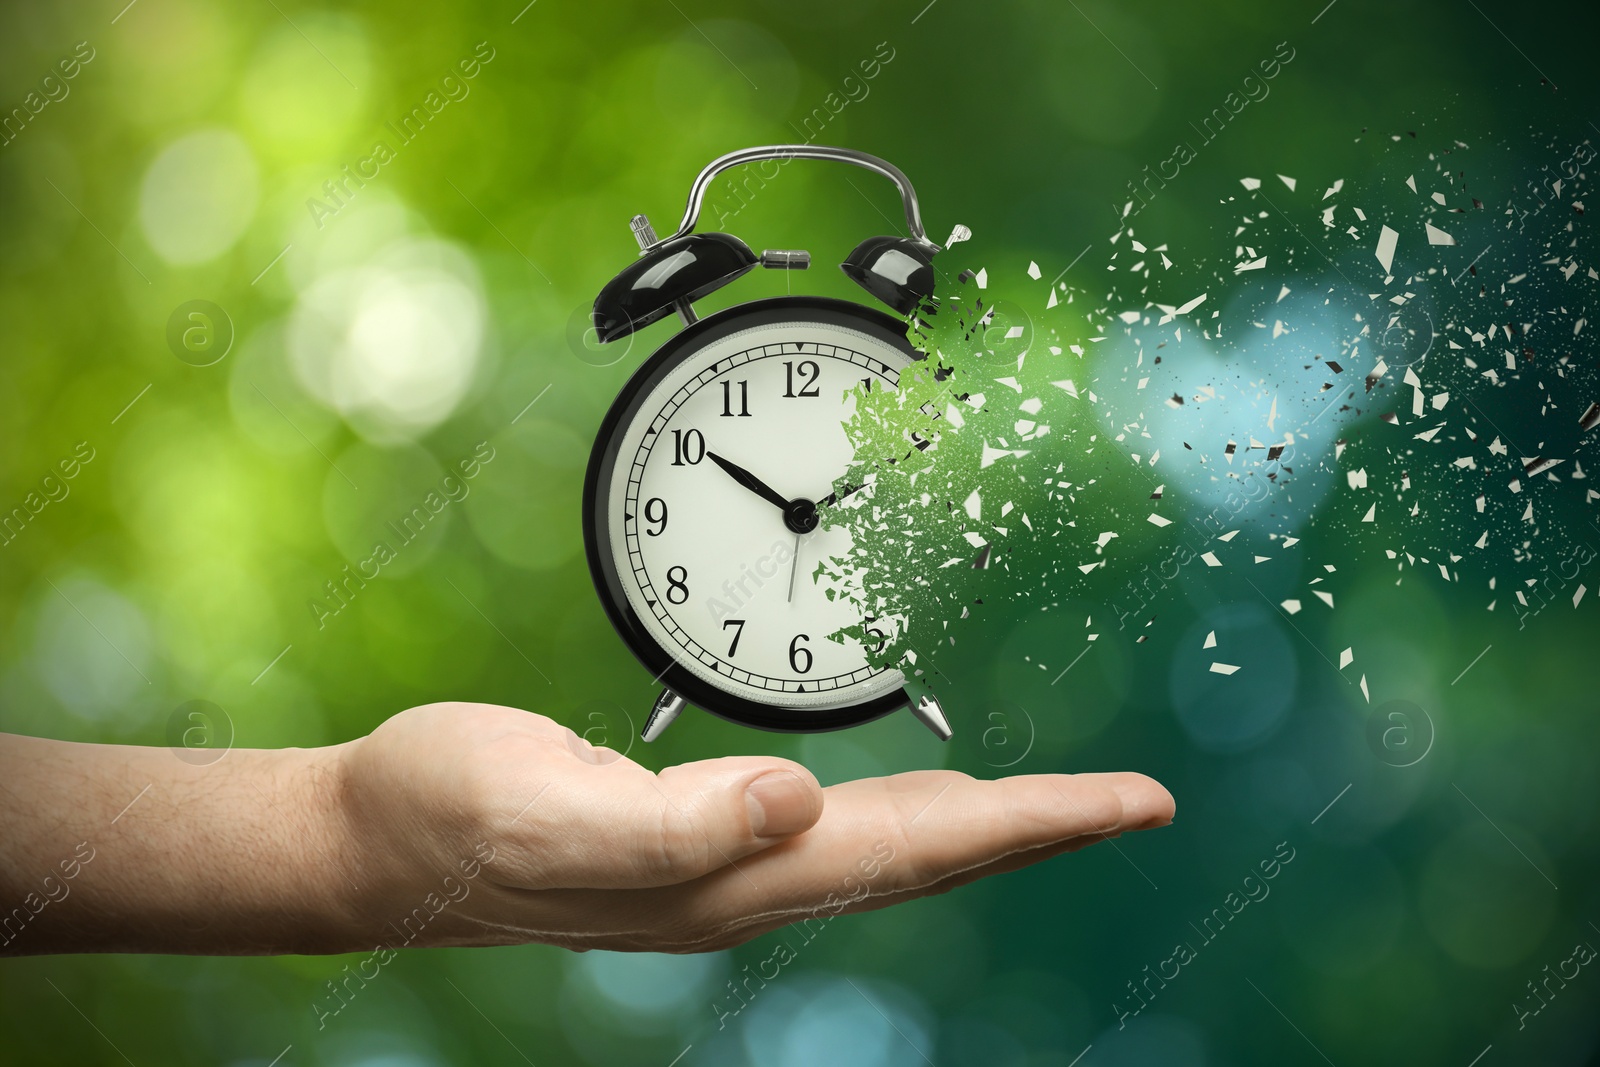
(398, 836)
(332, 854)
(419, 847)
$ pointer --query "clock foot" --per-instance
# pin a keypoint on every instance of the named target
(928, 712)
(667, 708)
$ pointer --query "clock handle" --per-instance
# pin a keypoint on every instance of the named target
(908, 195)
(668, 706)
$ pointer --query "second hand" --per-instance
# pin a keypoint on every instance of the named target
(794, 568)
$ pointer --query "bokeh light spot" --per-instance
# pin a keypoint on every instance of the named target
(392, 345)
(198, 196)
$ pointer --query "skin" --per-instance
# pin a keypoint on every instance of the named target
(324, 850)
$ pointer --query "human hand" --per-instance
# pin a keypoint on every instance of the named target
(483, 825)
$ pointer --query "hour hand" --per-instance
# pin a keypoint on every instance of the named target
(750, 481)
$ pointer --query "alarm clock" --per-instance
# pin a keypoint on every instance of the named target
(703, 497)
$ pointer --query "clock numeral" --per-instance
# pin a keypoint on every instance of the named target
(882, 637)
(677, 585)
(809, 373)
(797, 650)
(688, 447)
(736, 634)
(866, 385)
(744, 400)
(655, 511)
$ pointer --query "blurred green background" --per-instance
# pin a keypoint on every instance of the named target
(374, 341)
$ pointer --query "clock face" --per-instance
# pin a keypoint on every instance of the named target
(704, 508)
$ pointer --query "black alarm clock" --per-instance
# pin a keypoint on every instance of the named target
(701, 500)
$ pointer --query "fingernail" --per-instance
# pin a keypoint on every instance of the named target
(780, 804)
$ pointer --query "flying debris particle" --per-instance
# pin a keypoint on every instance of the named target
(981, 563)
(1287, 181)
(1371, 515)
(1326, 598)
(1590, 418)
(1250, 183)
(992, 455)
(1291, 607)
(1157, 494)
(1535, 465)
(1386, 244)
(1211, 640)
(1157, 520)
(1364, 692)
(1223, 668)
(1211, 559)
(1578, 596)
(957, 235)
(1334, 188)
(1033, 270)
(1169, 312)
(1229, 536)
(1436, 236)
(1346, 658)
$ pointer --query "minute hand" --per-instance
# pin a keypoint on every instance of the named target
(750, 481)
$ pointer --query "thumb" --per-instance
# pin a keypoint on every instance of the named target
(641, 829)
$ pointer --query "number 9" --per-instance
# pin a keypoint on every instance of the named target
(656, 515)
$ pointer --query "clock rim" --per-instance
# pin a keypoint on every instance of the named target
(596, 521)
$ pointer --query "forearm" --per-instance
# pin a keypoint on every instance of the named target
(112, 848)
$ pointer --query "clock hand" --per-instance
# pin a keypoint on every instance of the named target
(795, 568)
(835, 496)
(750, 481)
